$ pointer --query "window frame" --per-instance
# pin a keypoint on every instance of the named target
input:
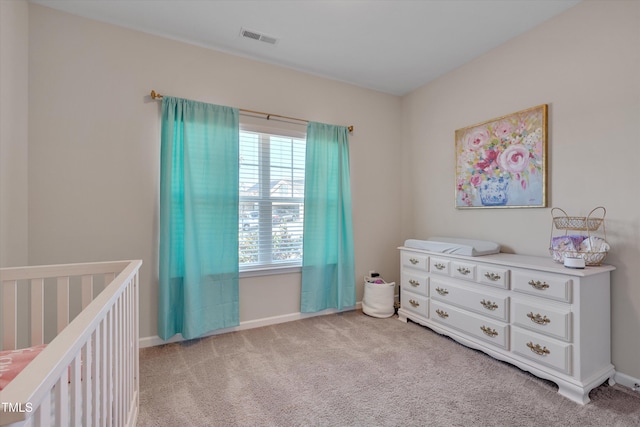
(266, 207)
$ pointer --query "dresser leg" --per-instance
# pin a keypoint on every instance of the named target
(571, 392)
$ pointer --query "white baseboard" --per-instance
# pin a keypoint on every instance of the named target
(250, 324)
(627, 381)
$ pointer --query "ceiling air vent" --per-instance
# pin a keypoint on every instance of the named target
(258, 36)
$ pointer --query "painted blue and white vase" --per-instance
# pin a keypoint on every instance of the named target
(493, 192)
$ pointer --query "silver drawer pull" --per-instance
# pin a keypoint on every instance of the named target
(492, 276)
(541, 286)
(538, 318)
(414, 282)
(488, 331)
(463, 270)
(439, 266)
(413, 261)
(442, 313)
(441, 291)
(540, 351)
(414, 303)
(489, 305)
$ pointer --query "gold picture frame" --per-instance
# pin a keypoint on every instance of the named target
(502, 163)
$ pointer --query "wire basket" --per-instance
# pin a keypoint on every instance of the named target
(589, 224)
(589, 257)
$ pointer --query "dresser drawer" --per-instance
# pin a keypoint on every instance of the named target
(482, 302)
(414, 303)
(493, 276)
(552, 286)
(464, 271)
(497, 333)
(415, 281)
(551, 321)
(545, 351)
(439, 265)
(415, 260)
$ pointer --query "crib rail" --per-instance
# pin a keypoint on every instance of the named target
(88, 374)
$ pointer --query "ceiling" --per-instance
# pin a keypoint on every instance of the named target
(391, 46)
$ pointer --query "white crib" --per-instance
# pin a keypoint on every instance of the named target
(87, 375)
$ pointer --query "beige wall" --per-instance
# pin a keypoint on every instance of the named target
(14, 36)
(585, 64)
(94, 148)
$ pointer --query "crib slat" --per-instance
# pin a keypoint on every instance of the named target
(121, 360)
(136, 335)
(87, 290)
(118, 361)
(106, 373)
(9, 312)
(123, 350)
(62, 401)
(43, 413)
(76, 398)
(127, 321)
(108, 391)
(63, 303)
(37, 312)
(110, 377)
(96, 371)
(87, 381)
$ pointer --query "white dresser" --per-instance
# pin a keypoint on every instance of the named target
(529, 311)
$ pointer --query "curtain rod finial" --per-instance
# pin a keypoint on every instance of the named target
(155, 95)
(350, 128)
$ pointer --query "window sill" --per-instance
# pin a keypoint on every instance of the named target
(270, 271)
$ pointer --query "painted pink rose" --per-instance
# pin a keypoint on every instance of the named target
(476, 180)
(503, 130)
(477, 138)
(514, 158)
(487, 160)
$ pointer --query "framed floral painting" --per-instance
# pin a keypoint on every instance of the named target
(502, 163)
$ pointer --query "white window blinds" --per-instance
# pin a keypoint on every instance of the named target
(271, 200)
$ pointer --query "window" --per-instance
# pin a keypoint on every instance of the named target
(271, 199)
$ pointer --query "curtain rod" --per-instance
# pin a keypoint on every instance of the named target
(156, 95)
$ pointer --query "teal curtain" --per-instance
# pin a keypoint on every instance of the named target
(198, 265)
(328, 267)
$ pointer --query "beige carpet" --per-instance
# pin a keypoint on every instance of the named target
(350, 369)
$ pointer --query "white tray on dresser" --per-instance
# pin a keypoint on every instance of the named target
(529, 311)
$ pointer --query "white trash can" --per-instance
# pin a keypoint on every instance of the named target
(378, 298)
